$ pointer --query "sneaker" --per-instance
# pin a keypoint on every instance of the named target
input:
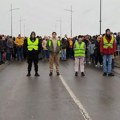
(28, 75)
(89, 62)
(50, 74)
(111, 75)
(37, 75)
(104, 74)
(82, 74)
(76, 74)
(58, 73)
(96, 65)
(101, 65)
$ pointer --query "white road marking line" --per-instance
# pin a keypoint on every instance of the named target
(83, 111)
(78, 103)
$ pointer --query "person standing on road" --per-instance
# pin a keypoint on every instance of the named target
(107, 49)
(45, 50)
(79, 53)
(1, 50)
(10, 47)
(118, 43)
(19, 45)
(54, 47)
(64, 48)
(98, 56)
(32, 46)
(91, 51)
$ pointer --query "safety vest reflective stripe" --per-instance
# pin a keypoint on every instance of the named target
(58, 43)
(32, 45)
(50, 43)
(106, 44)
(79, 50)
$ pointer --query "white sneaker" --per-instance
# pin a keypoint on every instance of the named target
(89, 62)
(101, 65)
(96, 65)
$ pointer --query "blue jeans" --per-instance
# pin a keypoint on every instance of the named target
(107, 68)
(9, 55)
(45, 54)
(118, 49)
(63, 54)
(20, 53)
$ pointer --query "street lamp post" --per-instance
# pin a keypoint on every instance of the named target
(60, 21)
(24, 31)
(21, 20)
(100, 17)
(11, 10)
(71, 11)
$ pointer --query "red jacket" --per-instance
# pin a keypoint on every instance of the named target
(107, 51)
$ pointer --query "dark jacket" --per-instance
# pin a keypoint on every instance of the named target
(64, 43)
(118, 40)
(2, 45)
(97, 48)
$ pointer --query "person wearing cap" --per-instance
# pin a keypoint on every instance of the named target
(79, 54)
(107, 49)
(33, 47)
(54, 48)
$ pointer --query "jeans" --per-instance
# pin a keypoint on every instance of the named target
(45, 54)
(63, 54)
(107, 68)
(20, 53)
(92, 58)
(9, 56)
(118, 49)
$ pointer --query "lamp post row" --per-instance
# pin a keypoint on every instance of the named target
(60, 21)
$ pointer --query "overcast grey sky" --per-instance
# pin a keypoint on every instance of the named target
(41, 16)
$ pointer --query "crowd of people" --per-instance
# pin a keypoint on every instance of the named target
(12, 48)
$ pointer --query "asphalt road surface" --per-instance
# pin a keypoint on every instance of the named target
(66, 97)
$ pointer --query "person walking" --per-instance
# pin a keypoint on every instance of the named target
(54, 47)
(32, 46)
(107, 49)
(79, 53)
(10, 48)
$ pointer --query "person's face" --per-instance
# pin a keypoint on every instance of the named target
(66, 36)
(3, 38)
(33, 35)
(19, 36)
(108, 32)
(99, 38)
(79, 39)
(54, 35)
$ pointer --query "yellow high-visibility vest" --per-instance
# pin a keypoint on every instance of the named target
(107, 44)
(79, 50)
(58, 43)
(32, 45)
